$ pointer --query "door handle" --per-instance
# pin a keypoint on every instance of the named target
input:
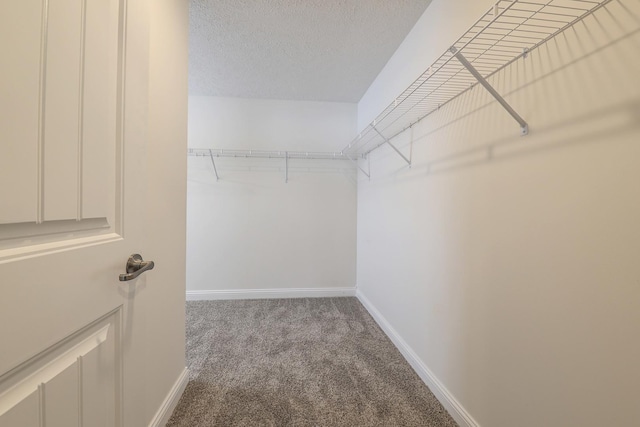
(135, 267)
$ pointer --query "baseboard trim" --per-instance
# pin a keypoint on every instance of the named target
(457, 411)
(171, 401)
(270, 293)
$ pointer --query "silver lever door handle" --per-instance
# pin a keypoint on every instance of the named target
(135, 267)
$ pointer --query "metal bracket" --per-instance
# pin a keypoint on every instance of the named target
(355, 162)
(214, 165)
(392, 146)
(524, 127)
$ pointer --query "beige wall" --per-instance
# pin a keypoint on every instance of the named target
(507, 264)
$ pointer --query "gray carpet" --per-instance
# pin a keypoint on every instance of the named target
(298, 362)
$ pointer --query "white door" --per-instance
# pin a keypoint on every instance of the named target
(92, 121)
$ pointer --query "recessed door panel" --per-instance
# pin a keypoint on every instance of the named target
(100, 109)
(25, 413)
(75, 379)
(62, 109)
(61, 104)
(98, 404)
(19, 109)
(62, 398)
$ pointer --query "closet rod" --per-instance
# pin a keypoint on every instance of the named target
(266, 154)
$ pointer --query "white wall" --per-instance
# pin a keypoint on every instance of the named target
(252, 231)
(509, 265)
(265, 124)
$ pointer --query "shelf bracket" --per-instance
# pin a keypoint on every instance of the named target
(355, 162)
(214, 165)
(392, 146)
(524, 127)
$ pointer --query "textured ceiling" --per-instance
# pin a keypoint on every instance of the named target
(319, 50)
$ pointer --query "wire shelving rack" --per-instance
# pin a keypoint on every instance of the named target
(507, 32)
(504, 34)
(214, 154)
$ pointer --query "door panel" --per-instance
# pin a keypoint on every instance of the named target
(99, 121)
(62, 400)
(19, 91)
(62, 123)
(96, 385)
(24, 413)
(62, 82)
(76, 379)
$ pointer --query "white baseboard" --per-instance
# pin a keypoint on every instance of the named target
(270, 293)
(457, 411)
(171, 401)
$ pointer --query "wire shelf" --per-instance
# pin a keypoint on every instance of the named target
(504, 34)
(265, 154)
(215, 153)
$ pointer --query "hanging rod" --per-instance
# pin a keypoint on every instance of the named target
(267, 154)
(504, 34)
(214, 153)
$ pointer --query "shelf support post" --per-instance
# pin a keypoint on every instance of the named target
(392, 146)
(460, 57)
(286, 167)
(214, 165)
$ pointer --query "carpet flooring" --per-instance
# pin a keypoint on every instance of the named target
(298, 362)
